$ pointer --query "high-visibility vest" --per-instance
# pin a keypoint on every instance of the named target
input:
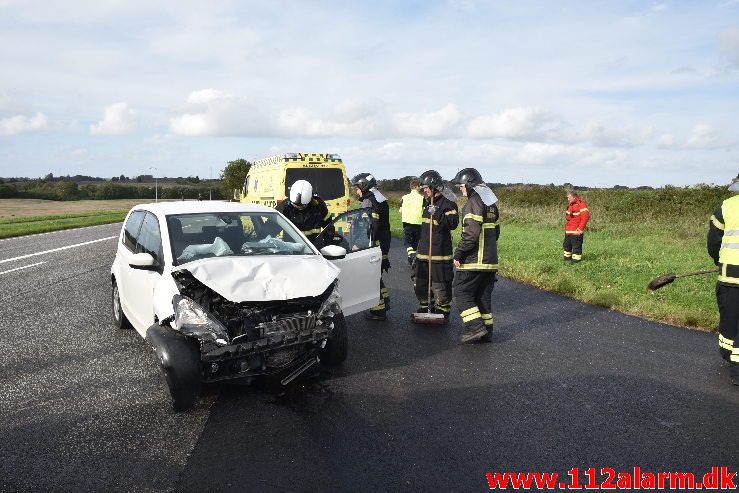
(411, 209)
(728, 255)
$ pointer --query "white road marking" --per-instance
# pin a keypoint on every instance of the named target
(57, 249)
(21, 268)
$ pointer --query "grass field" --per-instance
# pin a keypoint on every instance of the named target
(621, 256)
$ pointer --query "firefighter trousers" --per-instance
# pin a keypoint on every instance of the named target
(573, 247)
(473, 291)
(384, 304)
(728, 327)
(411, 236)
(441, 291)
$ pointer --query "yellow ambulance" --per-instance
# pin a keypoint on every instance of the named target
(268, 181)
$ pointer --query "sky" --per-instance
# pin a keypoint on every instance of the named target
(595, 93)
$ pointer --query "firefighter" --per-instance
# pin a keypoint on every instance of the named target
(306, 211)
(365, 186)
(476, 256)
(723, 247)
(445, 216)
(576, 218)
(411, 210)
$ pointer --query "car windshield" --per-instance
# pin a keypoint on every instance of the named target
(232, 234)
(327, 182)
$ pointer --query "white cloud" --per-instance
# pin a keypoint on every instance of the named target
(21, 124)
(601, 134)
(441, 123)
(118, 119)
(702, 136)
(522, 123)
(210, 112)
(729, 45)
(8, 104)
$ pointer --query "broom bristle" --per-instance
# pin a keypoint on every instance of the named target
(661, 281)
(429, 318)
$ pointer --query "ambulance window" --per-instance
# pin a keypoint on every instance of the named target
(327, 182)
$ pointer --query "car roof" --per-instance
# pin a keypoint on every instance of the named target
(195, 206)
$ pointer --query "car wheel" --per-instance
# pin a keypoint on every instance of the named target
(119, 318)
(337, 345)
(179, 359)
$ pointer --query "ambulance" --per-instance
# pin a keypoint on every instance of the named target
(268, 181)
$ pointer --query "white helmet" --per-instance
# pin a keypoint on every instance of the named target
(301, 193)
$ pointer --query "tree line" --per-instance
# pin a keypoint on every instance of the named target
(70, 190)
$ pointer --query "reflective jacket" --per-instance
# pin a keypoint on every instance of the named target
(380, 219)
(310, 220)
(478, 246)
(577, 216)
(723, 240)
(411, 208)
(445, 220)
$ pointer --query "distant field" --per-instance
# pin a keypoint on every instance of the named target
(37, 207)
(19, 217)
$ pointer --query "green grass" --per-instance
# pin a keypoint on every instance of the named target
(620, 257)
(26, 225)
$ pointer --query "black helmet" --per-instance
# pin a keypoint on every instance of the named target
(364, 182)
(470, 177)
(431, 179)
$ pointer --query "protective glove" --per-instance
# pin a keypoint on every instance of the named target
(431, 209)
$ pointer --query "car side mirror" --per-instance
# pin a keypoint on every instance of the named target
(143, 261)
(333, 252)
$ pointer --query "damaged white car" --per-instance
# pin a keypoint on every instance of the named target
(225, 290)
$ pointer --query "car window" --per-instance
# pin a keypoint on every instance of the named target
(150, 239)
(351, 230)
(131, 230)
(233, 234)
(326, 182)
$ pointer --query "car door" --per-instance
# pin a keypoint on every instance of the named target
(126, 250)
(142, 282)
(359, 279)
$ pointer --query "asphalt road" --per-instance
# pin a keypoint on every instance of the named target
(563, 385)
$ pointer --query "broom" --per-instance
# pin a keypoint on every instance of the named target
(664, 280)
(428, 317)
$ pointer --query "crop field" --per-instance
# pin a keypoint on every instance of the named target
(20, 217)
(632, 237)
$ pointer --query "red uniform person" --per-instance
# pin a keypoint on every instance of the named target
(577, 216)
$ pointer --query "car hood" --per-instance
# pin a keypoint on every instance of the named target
(264, 278)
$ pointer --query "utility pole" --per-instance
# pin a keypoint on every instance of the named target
(156, 183)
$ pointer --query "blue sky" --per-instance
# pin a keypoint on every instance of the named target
(594, 92)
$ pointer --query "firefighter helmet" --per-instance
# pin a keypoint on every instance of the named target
(734, 187)
(364, 181)
(301, 193)
(432, 179)
(470, 177)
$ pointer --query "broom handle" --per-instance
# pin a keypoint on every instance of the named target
(697, 273)
(431, 232)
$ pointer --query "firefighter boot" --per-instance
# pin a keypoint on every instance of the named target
(378, 315)
(473, 331)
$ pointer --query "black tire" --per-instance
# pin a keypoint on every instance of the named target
(179, 359)
(119, 318)
(337, 345)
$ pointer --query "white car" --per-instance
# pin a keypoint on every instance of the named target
(228, 290)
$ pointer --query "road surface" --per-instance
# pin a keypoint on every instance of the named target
(564, 384)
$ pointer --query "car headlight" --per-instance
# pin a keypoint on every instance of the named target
(191, 319)
(332, 304)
